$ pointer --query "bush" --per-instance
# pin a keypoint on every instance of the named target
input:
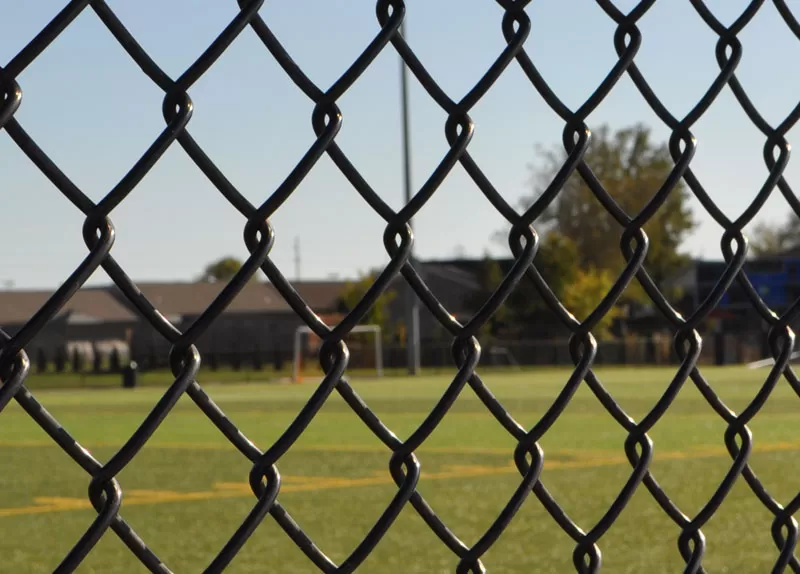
(41, 360)
(213, 361)
(115, 361)
(97, 362)
(61, 360)
(77, 361)
(258, 364)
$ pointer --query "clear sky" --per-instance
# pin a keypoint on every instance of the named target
(94, 112)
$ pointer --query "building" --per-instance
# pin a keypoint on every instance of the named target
(260, 323)
(775, 279)
(91, 315)
(453, 282)
(258, 320)
(735, 326)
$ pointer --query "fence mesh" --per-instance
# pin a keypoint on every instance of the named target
(105, 491)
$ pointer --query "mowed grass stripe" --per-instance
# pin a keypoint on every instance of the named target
(135, 497)
(561, 453)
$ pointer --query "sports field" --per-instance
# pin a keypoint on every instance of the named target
(187, 491)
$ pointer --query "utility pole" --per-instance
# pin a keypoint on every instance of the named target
(411, 302)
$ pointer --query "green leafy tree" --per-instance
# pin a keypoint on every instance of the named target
(221, 270)
(555, 261)
(584, 292)
(379, 313)
(632, 168)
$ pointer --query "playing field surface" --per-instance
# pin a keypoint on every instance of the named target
(187, 491)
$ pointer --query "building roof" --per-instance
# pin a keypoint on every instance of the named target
(174, 300)
(87, 305)
(321, 295)
(194, 298)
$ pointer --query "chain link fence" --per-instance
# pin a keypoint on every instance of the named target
(105, 491)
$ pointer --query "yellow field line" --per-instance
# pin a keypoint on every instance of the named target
(225, 490)
(229, 447)
(47, 504)
(711, 450)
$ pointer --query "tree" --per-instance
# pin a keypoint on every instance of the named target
(489, 277)
(632, 168)
(221, 270)
(525, 310)
(379, 313)
(582, 295)
(771, 240)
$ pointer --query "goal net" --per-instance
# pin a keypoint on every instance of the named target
(364, 343)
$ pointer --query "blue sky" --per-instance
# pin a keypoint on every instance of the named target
(94, 112)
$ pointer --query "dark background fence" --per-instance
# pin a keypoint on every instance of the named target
(580, 349)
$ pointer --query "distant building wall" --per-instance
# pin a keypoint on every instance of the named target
(94, 332)
(59, 333)
(455, 292)
(49, 339)
(231, 335)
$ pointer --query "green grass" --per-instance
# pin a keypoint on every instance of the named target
(50, 379)
(160, 377)
(336, 480)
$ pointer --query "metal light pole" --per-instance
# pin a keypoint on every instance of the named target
(411, 302)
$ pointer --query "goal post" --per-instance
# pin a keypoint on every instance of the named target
(305, 331)
(771, 361)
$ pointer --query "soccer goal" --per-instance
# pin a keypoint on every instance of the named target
(769, 362)
(367, 356)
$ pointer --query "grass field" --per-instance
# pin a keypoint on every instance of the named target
(186, 492)
(146, 378)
